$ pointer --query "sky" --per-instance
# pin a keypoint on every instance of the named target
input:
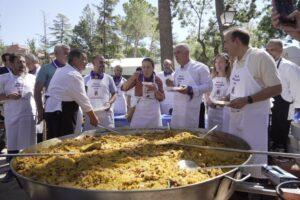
(22, 19)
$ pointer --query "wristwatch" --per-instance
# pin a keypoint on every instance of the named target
(249, 100)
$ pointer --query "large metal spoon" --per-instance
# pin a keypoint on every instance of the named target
(109, 129)
(209, 132)
(270, 153)
(191, 165)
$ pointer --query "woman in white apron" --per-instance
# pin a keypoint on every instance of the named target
(149, 91)
(16, 90)
(120, 105)
(219, 115)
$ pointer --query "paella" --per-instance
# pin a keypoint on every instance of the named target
(126, 162)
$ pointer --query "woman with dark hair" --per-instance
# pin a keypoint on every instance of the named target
(149, 91)
(218, 115)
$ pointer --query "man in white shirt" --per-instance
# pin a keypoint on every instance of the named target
(101, 90)
(167, 73)
(65, 92)
(289, 74)
(254, 80)
(193, 78)
(120, 105)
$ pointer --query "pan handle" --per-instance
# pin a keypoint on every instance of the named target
(238, 180)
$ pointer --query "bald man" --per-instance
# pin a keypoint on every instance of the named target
(289, 74)
(193, 79)
(167, 74)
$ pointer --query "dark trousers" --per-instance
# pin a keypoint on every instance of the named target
(60, 123)
(280, 124)
(202, 116)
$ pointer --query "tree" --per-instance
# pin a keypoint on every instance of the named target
(61, 30)
(84, 33)
(165, 30)
(194, 19)
(44, 40)
(32, 46)
(107, 29)
(264, 30)
(136, 26)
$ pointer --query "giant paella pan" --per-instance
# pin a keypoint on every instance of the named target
(140, 164)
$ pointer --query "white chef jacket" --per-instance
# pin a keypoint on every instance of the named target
(20, 113)
(289, 73)
(67, 85)
(186, 110)
(201, 76)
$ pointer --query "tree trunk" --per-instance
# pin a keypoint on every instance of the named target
(165, 30)
(219, 10)
(136, 45)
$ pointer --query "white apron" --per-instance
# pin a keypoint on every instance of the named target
(147, 111)
(186, 111)
(20, 122)
(120, 105)
(167, 103)
(219, 115)
(251, 122)
(99, 95)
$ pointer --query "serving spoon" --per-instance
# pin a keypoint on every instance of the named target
(109, 129)
(209, 132)
(191, 165)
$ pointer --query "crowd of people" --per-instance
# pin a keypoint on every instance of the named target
(237, 92)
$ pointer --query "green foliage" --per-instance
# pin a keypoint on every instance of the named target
(32, 46)
(108, 26)
(208, 36)
(84, 33)
(140, 22)
(61, 30)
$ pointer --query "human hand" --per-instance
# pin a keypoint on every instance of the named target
(108, 106)
(14, 96)
(238, 103)
(210, 103)
(293, 31)
(151, 87)
(169, 83)
(136, 74)
(94, 120)
(183, 90)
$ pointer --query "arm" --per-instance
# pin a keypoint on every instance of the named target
(268, 75)
(260, 96)
(294, 86)
(113, 90)
(130, 83)
(76, 90)
(205, 82)
(159, 92)
(93, 118)
(38, 88)
(293, 31)
(204, 86)
(38, 91)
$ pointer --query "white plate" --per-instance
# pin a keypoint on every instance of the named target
(147, 83)
(103, 108)
(174, 88)
(221, 103)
